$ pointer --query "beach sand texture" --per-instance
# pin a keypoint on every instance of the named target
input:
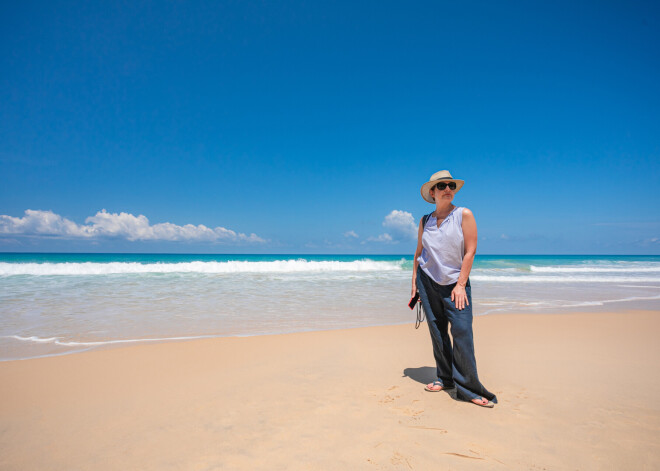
(576, 391)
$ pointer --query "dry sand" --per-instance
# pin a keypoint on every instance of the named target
(578, 392)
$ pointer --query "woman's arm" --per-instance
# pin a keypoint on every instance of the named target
(418, 252)
(469, 226)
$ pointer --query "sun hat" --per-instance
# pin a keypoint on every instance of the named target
(437, 177)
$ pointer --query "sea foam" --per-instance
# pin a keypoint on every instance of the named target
(59, 341)
(562, 278)
(596, 269)
(277, 266)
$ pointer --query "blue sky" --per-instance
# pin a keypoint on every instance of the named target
(309, 127)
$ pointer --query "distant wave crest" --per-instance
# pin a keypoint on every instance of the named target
(564, 279)
(596, 269)
(278, 266)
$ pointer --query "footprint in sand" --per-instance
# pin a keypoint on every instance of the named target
(387, 399)
(414, 414)
(399, 459)
(522, 394)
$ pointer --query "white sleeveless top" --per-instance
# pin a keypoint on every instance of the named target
(443, 248)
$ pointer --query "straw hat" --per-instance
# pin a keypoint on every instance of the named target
(437, 177)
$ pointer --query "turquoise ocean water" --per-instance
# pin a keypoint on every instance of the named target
(53, 304)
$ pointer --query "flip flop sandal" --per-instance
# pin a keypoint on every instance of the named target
(435, 383)
(489, 404)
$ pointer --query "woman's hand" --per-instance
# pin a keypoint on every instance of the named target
(413, 291)
(459, 297)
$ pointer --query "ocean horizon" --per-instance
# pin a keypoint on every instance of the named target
(58, 303)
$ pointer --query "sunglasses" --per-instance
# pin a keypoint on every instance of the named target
(442, 185)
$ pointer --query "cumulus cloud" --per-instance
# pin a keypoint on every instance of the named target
(116, 225)
(400, 227)
(352, 234)
(42, 223)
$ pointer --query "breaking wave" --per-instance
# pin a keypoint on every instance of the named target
(596, 269)
(278, 266)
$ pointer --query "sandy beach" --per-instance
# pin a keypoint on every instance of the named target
(576, 391)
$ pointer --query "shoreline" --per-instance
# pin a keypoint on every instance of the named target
(93, 346)
(58, 305)
(574, 394)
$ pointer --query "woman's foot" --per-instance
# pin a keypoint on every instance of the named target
(435, 386)
(483, 402)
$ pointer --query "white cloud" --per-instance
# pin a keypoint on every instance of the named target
(386, 238)
(352, 234)
(401, 227)
(113, 225)
(41, 223)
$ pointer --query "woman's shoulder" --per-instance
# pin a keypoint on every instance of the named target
(467, 216)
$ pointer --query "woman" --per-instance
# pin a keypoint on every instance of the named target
(446, 245)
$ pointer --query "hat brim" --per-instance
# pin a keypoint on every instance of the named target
(426, 187)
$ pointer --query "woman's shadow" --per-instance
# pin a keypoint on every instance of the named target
(425, 375)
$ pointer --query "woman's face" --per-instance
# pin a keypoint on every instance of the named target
(444, 195)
